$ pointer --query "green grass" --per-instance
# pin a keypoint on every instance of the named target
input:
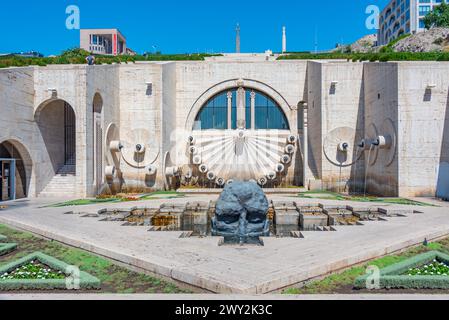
(328, 195)
(83, 202)
(343, 282)
(114, 279)
(150, 196)
(162, 194)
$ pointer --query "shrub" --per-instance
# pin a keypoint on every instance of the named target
(381, 56)
(6, 248)
(78, 56)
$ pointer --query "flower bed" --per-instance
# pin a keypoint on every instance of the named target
(33, 270)
(38, 271)
(410, 274)
(436, 268)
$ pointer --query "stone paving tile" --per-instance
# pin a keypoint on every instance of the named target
(221, 297)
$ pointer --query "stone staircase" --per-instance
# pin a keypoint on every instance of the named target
(62, 185)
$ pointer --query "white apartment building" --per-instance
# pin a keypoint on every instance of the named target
(402, 17)
(103, 41)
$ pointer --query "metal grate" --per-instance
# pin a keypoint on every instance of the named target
(69, 136)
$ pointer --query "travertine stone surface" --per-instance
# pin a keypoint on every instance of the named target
(155, 104)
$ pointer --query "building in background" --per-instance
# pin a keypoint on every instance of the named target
(29, 54)
(403, 17)
(103, 41)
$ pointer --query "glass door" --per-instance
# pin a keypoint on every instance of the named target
(7, 180)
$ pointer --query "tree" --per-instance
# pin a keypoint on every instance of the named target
(438, 17)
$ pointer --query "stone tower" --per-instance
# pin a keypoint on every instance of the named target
(237, 39)
(284, 40)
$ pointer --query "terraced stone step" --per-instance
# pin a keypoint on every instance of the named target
(60, 186)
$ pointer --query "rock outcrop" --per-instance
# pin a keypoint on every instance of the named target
(436, 39)
(365, 44)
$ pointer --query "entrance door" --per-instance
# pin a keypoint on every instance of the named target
(7, 179)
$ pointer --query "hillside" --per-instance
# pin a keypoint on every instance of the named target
(432, 40)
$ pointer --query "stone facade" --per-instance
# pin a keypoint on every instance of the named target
(382, 127)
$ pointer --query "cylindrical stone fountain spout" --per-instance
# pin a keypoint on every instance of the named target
(384, 142)
(343, 147)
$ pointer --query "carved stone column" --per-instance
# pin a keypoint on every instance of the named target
(253, 110)
(241, 109)
(229, 110)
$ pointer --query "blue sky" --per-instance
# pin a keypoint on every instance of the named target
(187, 26)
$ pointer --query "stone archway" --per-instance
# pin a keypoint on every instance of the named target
(56, 120)
(97, 108)
(14, 153)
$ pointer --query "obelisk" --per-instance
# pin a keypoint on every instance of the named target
(237, 39)
(284, 40)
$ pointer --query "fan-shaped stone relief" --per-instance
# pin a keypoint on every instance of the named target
(241, 154)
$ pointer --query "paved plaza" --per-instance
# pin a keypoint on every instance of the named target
(218, 297)
(201, 262)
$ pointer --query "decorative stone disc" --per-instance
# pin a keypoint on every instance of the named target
(388, 129)
(340, 146)
(140, 149)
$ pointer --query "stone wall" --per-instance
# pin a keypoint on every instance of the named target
(342, 117)
(16, 120)
(381, 101)
(103, 81)
(408, 100)
(423, 104)
(141, 122)
(315, 137)
(69, 83)
(169, 116)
